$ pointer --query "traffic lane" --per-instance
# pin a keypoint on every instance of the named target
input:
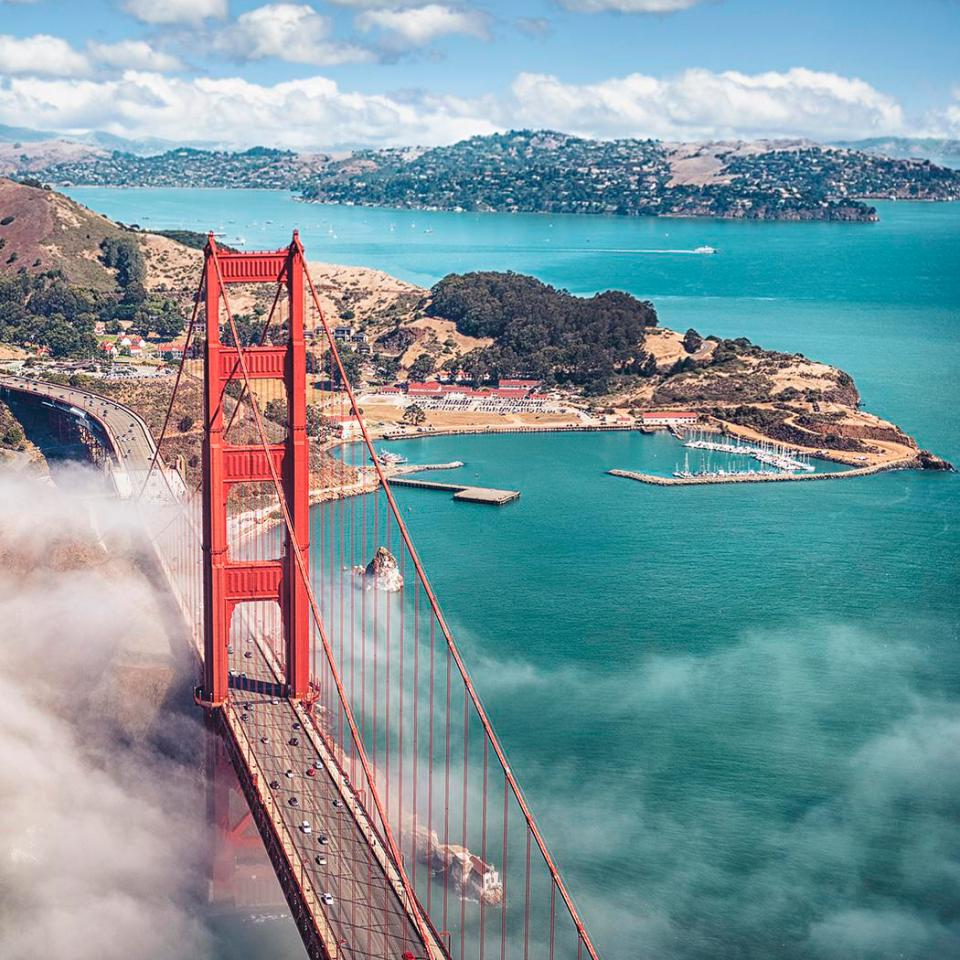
(366, 914)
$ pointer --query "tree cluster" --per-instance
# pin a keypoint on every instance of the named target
(545, 333)
(44, 310)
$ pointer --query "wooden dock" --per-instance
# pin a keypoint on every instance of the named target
(463, 492)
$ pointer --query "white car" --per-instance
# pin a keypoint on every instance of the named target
(320, 861)
(327, 898)
(305, 827)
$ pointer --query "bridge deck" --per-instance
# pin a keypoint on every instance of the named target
(367, 917)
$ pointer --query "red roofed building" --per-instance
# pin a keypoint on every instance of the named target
(345, 426)
(429, 389)
(668, 418)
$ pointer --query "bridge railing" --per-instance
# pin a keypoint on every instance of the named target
(390, 691)
(479, 864)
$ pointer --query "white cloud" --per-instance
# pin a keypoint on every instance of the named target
(288, 31)
(375, 4)
(41, 54)
(419, 25)
(176, 11)
(699, 104)
(629, 6)
(236, 111)
(133, 54)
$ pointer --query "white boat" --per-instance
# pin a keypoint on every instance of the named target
(705, 250)
(390, 458)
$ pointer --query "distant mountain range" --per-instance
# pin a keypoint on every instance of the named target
(946, 153)
(105, 141)
(538, 171)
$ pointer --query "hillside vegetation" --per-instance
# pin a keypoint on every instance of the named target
(538, 171)
(548, 172)
(544, 333)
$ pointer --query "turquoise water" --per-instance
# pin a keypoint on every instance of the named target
(736, 710)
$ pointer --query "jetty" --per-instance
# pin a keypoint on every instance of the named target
(755, 477)
(463, 492)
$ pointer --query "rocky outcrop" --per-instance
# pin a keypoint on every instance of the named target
(382, 572)
(930, 461)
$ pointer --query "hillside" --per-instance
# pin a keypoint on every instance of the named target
(548, 172)
(538, 172)
(605, 350)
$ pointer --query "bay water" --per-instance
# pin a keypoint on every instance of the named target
(734, 709)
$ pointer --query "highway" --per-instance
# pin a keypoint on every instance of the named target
(339, 863)
(127, 432)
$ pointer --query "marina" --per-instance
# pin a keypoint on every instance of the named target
(755, 476)
(782, 460)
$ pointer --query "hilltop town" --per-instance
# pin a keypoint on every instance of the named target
(532, 172)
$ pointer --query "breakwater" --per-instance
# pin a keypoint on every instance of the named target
(760, 477)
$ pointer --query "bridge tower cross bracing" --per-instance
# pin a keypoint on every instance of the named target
(228, 582)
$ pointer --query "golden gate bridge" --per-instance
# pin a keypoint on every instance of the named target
(383, 796)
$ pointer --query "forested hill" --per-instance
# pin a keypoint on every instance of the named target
(546, 172)
(545, 333)
(64, 268)
(537, 172)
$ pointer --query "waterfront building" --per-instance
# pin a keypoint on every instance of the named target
(668, 418)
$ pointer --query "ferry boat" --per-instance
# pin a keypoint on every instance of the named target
(389, 458)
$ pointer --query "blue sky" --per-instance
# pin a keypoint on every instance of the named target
(344, 72)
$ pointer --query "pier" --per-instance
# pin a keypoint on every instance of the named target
(463, 492)
(658, 481)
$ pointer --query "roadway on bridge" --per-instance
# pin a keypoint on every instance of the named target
(366, 915)
(127, 431)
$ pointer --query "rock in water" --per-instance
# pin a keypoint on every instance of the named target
(929, 461)
(382, 572)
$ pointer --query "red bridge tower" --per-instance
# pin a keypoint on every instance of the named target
(228, 582)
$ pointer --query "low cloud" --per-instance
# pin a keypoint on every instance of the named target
(629, 6)
(694, 105)
(420, 25)
(100, 828)
(286, 31)
(176, 11)
(41, 55)
(796, 787)
(699, 104)
(133, 55)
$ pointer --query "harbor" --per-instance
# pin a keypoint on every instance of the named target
(776, 460)
(755, 476)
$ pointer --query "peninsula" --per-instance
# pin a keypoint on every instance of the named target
(103, 307)
(529, 171)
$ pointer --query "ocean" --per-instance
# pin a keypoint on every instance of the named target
(735, 709)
